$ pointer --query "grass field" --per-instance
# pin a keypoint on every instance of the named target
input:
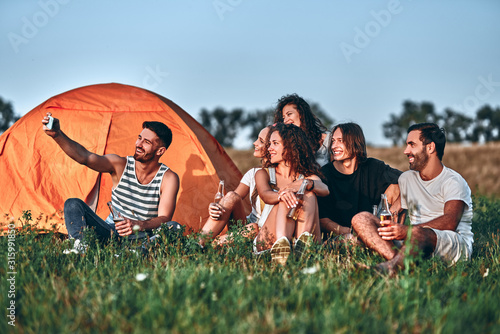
(172, 287)
(175, 288)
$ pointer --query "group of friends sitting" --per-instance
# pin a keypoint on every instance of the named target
(325, 177)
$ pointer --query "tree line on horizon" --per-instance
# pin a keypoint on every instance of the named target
(459, 128)
(225, 125)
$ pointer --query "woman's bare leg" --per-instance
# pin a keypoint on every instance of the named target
(267, 234)
(233, 205)
(308, 220)
(284, 226)
(249, 231)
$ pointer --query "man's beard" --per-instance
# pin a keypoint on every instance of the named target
(419, 161)
(143, 157)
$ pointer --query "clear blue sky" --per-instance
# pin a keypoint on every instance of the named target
(358, 59)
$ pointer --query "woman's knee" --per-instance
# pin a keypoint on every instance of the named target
(233, 195)
(251, 230)
(230, 199)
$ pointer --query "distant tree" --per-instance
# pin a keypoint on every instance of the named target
(223, 125)
(486, 125)
(322, 115)
(395, 129)
(457, 126)
(7, 115)
(257, 120)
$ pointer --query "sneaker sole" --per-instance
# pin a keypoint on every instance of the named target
(302, 245)
(280, 251)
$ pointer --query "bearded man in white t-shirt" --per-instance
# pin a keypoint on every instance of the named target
(437, 199)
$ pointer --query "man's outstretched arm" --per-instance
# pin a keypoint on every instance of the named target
(99, 163)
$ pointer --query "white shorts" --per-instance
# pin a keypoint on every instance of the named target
(451, 246)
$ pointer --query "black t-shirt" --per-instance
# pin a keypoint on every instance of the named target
(359, 191)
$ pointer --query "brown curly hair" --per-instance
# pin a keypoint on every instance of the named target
(309, 122)
(297, 151)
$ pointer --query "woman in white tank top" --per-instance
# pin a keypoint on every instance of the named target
(231, 205)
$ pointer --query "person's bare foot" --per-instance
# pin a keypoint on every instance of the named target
(389, 268)
(385, 269)
(363, 266)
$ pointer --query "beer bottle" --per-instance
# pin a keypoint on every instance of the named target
(384, 213)
(117, 217)
(220, 192)
(294, 213)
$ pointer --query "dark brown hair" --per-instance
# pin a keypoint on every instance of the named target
(431, 133)
(309, 122)
(354, 140)
(161, 130)
(297, 151)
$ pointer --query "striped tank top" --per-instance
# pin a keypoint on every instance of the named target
(134, 200)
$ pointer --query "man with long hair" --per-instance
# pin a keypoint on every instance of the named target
(355, 181)
(437, 199)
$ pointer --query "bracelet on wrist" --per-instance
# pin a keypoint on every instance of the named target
(312, 185)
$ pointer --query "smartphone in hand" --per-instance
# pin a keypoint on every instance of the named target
(50, 123)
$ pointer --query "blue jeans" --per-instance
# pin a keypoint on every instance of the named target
(78, 215)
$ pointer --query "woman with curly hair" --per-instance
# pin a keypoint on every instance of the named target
(289, 162)
(231, 206)
(293, 109)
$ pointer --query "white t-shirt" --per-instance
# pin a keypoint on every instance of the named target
(249, 180)
(425, 199)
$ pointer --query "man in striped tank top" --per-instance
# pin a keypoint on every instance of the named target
(144, 190)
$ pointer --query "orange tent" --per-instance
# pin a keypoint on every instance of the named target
(36, 174)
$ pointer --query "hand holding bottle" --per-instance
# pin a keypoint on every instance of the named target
(294, 212)
(215, 209)
(384, 213)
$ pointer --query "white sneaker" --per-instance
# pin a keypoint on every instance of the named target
(281, 251)
(78, 248)
(302, 244)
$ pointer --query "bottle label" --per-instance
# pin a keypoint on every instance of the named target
(385, 219)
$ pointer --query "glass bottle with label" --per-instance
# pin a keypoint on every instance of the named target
(294, 212)
(220, 192)
(116, 215)
(384, 213)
